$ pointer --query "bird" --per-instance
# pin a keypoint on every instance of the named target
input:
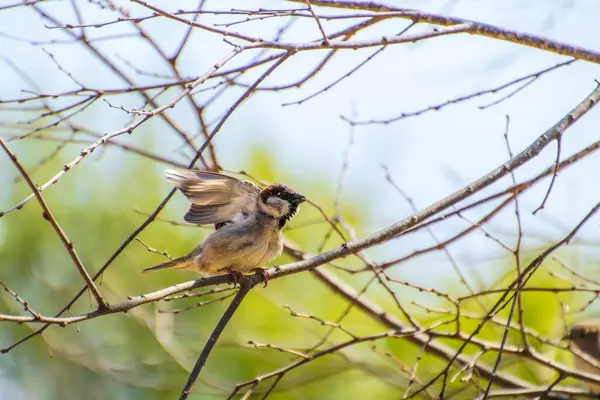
(585, 346)
(248, 222)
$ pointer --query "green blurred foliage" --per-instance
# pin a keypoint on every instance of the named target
(147, 354)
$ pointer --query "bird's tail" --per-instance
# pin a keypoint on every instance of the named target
(185, 262)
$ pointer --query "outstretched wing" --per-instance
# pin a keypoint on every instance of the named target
(215, 198)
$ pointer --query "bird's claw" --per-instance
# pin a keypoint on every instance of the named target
(237, 277)
(262, 272)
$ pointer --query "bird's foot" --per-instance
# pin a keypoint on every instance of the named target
(262, 272)
(237, 277)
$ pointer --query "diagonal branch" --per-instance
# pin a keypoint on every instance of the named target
(311, 263)
(130, 128)
(477, 28)
(316, 17)
(245, 287)
(152, 216)
(400, 227)
(47, 214)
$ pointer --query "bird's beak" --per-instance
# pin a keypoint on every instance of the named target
(567, 336)
(298, 198)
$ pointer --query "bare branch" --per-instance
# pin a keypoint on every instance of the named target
(47, 214)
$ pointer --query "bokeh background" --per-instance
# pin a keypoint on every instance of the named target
(148, 353)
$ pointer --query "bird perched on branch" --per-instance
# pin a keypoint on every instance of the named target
(585, 346)
(248, 222)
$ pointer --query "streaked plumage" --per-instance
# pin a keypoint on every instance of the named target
(248, 221)
(585, 347)
(215, 198)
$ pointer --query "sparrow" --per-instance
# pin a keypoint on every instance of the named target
(585, 347)
(248, 222)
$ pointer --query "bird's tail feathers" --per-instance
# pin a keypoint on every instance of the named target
(179, 263)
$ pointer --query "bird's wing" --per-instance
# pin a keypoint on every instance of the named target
(215, 198)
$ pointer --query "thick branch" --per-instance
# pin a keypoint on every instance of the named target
(477, 28)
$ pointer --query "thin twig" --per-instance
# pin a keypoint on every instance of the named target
(316, 17)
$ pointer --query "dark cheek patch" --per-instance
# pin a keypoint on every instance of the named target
(283, 220)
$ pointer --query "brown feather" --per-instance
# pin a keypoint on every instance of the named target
(215, 198)
(179, 263)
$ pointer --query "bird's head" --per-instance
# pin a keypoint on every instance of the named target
(280, 201)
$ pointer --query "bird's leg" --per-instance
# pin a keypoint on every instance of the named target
(236, 275)
(262, 272)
